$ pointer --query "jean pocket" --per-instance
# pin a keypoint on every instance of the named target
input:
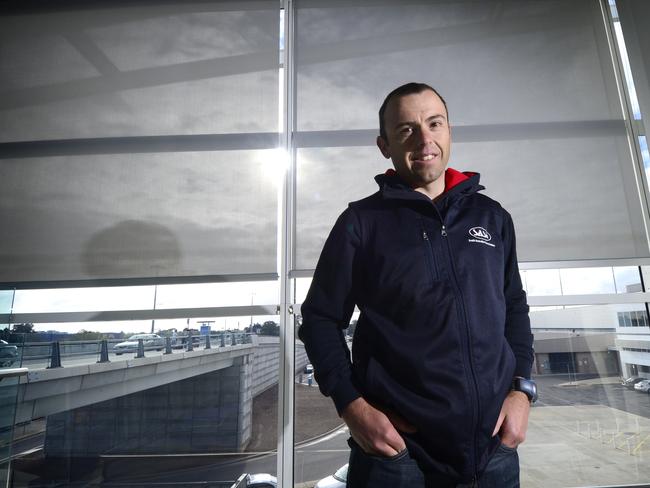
(387, 459)
(397, 457)
(504, 448)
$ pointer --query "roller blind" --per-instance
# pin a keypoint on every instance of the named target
(137, 139)
(533, 106)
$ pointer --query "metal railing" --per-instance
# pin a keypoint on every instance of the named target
(56, 354)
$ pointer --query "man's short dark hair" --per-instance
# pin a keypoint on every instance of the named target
(401, 91)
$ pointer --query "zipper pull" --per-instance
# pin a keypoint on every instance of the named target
(424, 235)
(443, 231)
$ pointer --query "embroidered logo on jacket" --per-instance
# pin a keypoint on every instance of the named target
(479, 234)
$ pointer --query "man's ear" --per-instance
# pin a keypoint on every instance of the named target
(383, 147)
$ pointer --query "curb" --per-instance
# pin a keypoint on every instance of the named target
(316, 437)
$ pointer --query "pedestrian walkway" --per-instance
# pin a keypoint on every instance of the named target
(585, 446)
(605, 380)
(582, 446)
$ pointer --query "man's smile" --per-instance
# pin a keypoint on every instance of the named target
(424, 157)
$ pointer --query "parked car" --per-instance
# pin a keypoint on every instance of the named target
(8, 354)
(630, 382)
(261, 480)
(643, 386)
(336, 480)
(150, 342)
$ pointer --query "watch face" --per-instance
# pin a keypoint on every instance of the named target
(529, 387)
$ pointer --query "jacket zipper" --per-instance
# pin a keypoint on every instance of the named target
(433, 266)
(477, 410)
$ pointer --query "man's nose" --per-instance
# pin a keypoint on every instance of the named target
(424, 136)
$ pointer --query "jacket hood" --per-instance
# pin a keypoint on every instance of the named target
(456, 183)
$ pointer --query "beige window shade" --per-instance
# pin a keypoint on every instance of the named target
(137, 141)
(533, 104)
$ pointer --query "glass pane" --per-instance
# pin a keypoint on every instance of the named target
(571, 126)
(140, 69)
(204, 395)
(628, 279)
(10, 341)
(218, 294)
(645, 272)
(584, 281)
(645, 154)
(9, 358)
(139, 215)
(8, 398)
(145, 297)
(358, 52)
(302, 287)
(637, 46)
(327, 182)
(320, 435)
(542, 282)
(595, 228)
(585, 417)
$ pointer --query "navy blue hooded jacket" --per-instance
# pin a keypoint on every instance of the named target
(444, 322)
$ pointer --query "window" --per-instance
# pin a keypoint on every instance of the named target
(173, 168)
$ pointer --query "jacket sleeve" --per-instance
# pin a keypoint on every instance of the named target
(517, 327)
(327, 310)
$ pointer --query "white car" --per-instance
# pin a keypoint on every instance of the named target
(261, 480)
(8, 354)
(643, 386)
(150, 342)
(336, 480)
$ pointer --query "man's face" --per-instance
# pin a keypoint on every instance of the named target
(418, 138)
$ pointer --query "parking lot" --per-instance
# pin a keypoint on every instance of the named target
(587, 432)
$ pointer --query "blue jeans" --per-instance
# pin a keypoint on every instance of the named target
(401, 471)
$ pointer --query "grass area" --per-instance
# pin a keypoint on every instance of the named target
(314, 414)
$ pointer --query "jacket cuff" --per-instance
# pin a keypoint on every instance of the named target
(343, 395)
(523, 369)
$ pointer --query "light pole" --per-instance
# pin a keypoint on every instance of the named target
(155, 293)
(252, 296)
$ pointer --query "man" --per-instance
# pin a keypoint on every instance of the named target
(438, 393)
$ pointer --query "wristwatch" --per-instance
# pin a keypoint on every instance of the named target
(529, 387)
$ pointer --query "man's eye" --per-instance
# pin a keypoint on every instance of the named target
(406, 130)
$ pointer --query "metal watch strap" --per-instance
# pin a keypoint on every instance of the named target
(526, 386)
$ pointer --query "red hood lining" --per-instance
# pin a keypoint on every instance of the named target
(452, 177)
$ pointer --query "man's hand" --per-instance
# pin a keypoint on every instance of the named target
(374, 431)
(513, 419)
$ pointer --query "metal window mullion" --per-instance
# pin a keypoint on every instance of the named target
(626, 106)
(588, 299)
(287, 336)
(158, 280)
(534, 265)
(143, 314)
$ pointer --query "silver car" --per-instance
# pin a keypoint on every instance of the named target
(643, 386)
(150, 342)
(8, 354)
(261, 480)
